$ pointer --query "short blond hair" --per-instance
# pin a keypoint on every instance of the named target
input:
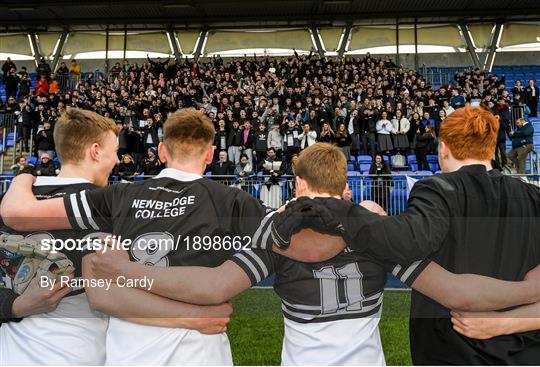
(76, 129)
(188, 132)
(324, 167)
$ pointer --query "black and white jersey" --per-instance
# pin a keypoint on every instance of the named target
(173, 219)
(347, 286)
(48, 188)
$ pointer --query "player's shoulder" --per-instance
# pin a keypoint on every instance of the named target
(49, 187)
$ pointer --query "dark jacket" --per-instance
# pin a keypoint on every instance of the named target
(236, 138)
(152, 167)
(45, 140)
(222, 168)
(523, 136)
(45, 169)
(261, 141)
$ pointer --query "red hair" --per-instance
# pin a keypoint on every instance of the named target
(470, 133)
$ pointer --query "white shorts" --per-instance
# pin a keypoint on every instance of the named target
(341, 342)
(71, 335)
(132, 344)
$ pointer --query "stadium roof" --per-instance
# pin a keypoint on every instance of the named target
(43, 15)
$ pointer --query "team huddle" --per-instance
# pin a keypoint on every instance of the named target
(329, 256)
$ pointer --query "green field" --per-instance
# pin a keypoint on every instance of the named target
(256, 329)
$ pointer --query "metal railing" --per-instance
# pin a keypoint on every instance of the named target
(389, 191)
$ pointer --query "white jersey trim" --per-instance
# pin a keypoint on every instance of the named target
(177, 174)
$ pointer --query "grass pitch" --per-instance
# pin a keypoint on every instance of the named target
(256, 329)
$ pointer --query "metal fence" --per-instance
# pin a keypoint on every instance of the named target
(391, 192)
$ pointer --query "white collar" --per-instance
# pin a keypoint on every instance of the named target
(178, 175)
(57, 181)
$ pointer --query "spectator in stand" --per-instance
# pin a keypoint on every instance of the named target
(343, 140)
(382, 183)
(327, 135)
(368, 131)
(243, 170)
(222, 137)
(261, 144)
(22, 166)
(222, 167)
(400, 126)
(26, 125)
(235, 142)
(519, 89)
(248, 139)
(42, 87)
(291, 144)
(24, 84)
(422, 143)
(11, 80)
(531, 94)
(54, 87)
(127, 168)
(439, 121)
(354, 131)
(45, 141)
(43, 68)
(447, 108)
(384, 129)
(273, 168)
(522, 145)
(307, 137)
(150, 137)
(152, 165)
(457, 100)
(75, 71)
(7, 66)
(414, 123)
(158, 66)
(62, 72)
(45, 167)
(427, 120)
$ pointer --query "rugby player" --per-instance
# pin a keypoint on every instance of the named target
(470, 219)
(178, 210)
(331, 309)
(58, 326)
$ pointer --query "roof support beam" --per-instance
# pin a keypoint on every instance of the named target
(493, 45)
(345, 40)
(59, 49)
(35, 47)
(174, 44)
(471, 47)
(200, 44)
(317, 39)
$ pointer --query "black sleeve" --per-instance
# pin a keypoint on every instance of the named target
(92, 209)
(409, 272)
(247, 214)
(7, 297)
(257, 264)
(413, 235)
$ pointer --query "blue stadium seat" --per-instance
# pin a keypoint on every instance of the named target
(364, 167)
(208, 174)
(536, 139)
(432, 158)
(434, 167)
(411, 159)
(364, 159)
(350, 166)
(32, 160)
(414, 166)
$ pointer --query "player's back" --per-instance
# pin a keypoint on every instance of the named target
(494, 231)
(79, 332)
(175, 219)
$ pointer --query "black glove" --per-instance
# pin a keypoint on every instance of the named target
(305, 213)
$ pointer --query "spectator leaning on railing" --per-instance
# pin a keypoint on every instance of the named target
(522, 144)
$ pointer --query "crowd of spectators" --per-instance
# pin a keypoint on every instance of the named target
(265, 110)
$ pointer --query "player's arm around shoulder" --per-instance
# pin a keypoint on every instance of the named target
(21, 210)
(193, 284)
(471, 292)
(143, 307)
